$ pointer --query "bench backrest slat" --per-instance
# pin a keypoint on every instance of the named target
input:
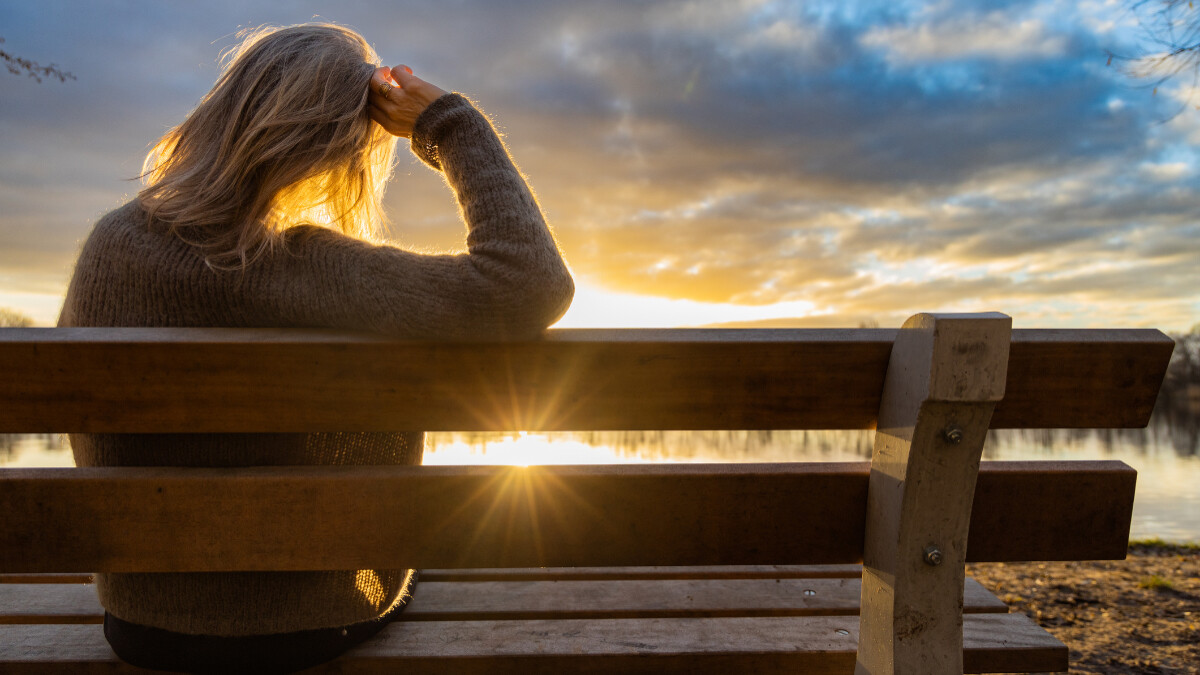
(266, 380)
(295, 518)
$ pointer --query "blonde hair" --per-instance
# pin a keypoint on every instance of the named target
(283, 139)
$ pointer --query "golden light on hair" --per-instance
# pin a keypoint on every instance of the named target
(282, 139)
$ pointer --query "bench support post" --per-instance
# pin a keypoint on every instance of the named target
(946, 373)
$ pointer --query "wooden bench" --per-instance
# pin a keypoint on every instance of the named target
(636, 568)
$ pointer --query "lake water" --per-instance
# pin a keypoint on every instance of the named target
(1166, 456)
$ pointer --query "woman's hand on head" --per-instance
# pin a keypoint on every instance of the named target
(398, 98)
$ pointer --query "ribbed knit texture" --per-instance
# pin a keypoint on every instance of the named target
(511, 284)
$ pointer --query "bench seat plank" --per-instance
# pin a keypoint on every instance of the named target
(296, 518)
(258, 380)
(46, 578)
(992, 643)
(49, 603)
(661, 572)
(556, 573)
(495, 600)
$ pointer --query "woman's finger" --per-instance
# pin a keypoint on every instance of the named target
(378, 115)
(404, 77)
(381, 84)
(388, 122)
(378, 78)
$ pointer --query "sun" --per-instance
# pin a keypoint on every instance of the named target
(597, 307)
(524, 449)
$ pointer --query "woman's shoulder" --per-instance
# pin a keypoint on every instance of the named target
(129, 212)
(125, 239)
(126, 219)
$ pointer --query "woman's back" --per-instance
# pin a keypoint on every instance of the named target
(158, 261)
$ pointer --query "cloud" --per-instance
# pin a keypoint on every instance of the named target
(996, 35)
(865, 159)
(748, 182)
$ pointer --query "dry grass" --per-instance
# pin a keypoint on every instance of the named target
(1139, 615)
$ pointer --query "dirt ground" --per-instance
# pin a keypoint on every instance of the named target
(1139, 615)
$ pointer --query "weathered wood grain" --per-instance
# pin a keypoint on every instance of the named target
(248, 380)
(992, 643)
(1124, 371)
(49, 603)
(1055, 500)
(494, 600)
(295, 518)
(46, 578)
(629, 573)
(558, 573)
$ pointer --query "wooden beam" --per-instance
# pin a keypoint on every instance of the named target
(344, 517)
(49, 603)
(819, 645)
(627, 573)
(46, 578)
(1055, 502)
(558, 573)
(1123, 369)
(165, 380)
(528, 600)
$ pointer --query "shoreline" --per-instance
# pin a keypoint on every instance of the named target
(1117, 617)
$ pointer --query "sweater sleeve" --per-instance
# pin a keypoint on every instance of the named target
(511, 284)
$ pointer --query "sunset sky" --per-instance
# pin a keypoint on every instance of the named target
(702, 162)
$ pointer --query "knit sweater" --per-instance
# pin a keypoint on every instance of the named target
(511, 284)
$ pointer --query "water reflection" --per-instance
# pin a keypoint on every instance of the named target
(34, 450)
(648, 446)
(1171, 431)
(1165, 455)
(1180, 436)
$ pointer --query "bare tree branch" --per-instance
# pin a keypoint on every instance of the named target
(18, 66)
(1171, 31)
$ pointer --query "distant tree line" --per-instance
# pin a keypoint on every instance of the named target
(1181, 387)
(11, 318)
